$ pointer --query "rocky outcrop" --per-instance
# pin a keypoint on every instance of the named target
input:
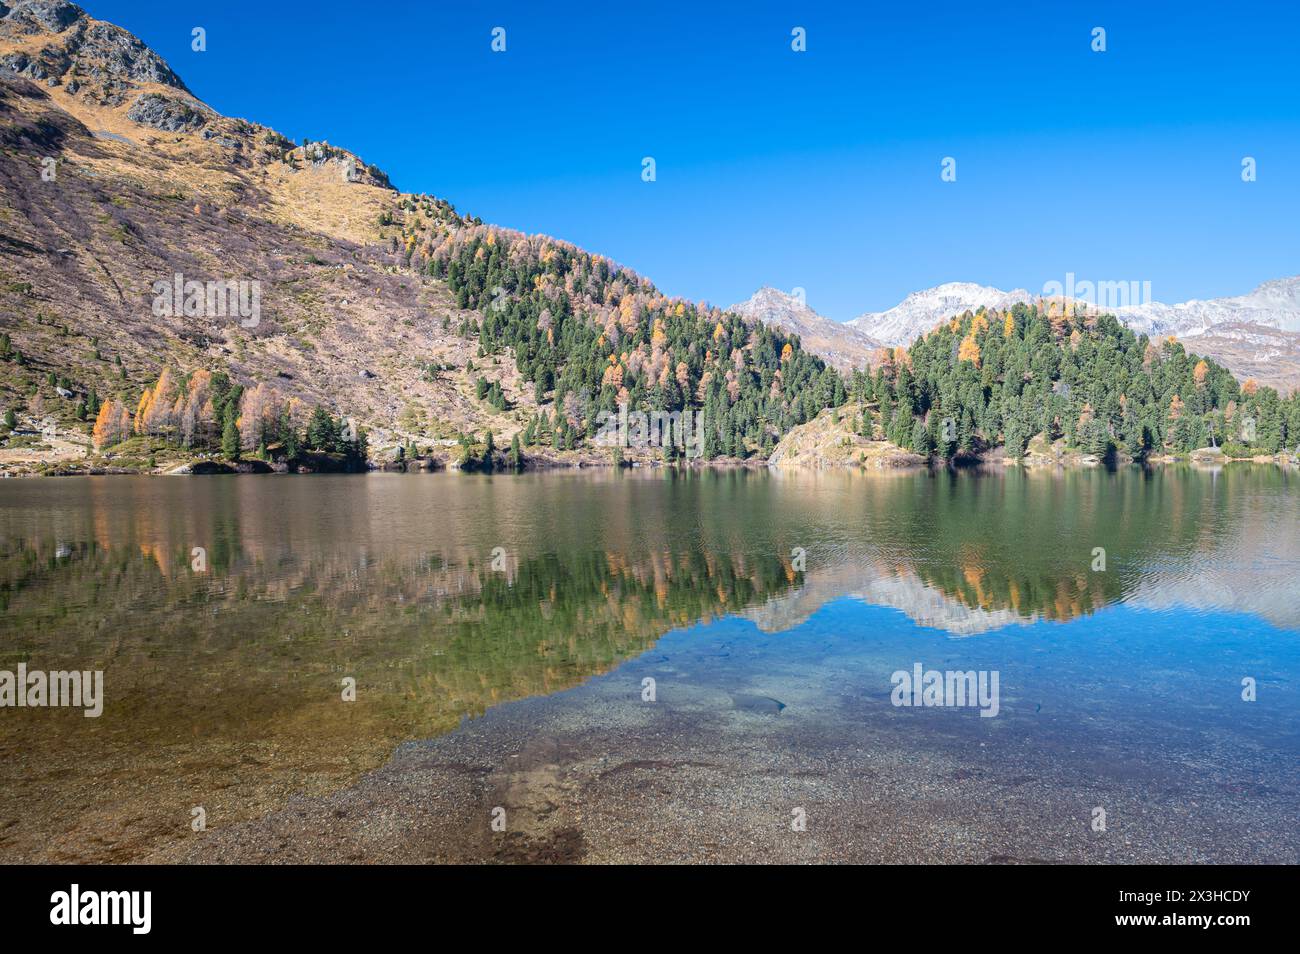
(169, 115)
(37, 16)
(829, 440)
(841, 346)
(98, 52)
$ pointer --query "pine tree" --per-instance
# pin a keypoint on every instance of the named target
(230, 438)
(921, 439)
(322, 431)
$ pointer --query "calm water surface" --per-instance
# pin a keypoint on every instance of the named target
(770, 609)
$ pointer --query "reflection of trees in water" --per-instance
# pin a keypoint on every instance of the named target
(229, 681)
(1026, 543)
(444, 637)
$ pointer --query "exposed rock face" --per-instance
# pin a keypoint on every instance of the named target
(102, 65)
(34, 16)
(838, 344)
(169, 115)
(105, 59)
(1273, 305)
(1254, 335)
(921, 311)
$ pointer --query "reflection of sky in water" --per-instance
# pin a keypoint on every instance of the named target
(1132, 675)
(1124, 693)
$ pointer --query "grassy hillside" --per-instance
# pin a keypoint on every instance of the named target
(376, 305)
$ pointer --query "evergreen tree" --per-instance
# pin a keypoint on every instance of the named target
(230, 439)
(921, 439)
(322, 430)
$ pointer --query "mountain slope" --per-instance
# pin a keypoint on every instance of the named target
(842, 346)
(116, 179)
(82, 252)
(1256, 335)
(921, 311)
(1274, 304)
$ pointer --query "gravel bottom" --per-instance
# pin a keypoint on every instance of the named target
(725, 764)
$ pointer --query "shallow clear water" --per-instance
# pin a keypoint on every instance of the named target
(771, 610)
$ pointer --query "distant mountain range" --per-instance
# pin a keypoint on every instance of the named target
(1256, 335)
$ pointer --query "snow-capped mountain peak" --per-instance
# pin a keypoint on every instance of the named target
(1273, 304)
(920, 311)
(1256, 334)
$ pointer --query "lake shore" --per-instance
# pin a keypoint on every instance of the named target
(884, 457)
(594, 775)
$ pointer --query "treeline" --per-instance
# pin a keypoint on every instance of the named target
(590, 335)
(1002, 377)
(206, 411)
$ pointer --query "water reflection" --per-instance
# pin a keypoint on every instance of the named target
(444, 595)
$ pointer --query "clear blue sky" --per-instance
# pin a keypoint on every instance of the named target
(816, 169)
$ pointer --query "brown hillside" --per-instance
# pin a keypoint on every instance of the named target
(149, 182)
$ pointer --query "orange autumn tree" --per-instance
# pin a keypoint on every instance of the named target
(154, 414)
(259, 414)
(112, 425)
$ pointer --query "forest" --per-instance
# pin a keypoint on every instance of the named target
(590, 336)
(995, 378)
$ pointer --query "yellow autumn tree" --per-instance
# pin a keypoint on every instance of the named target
(969, 351)
(1199, 373)
(658, 337)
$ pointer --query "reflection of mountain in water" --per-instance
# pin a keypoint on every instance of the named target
(924, 604)
(223, 685)
(1232, 549)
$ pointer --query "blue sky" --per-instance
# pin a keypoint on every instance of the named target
(820, 169)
